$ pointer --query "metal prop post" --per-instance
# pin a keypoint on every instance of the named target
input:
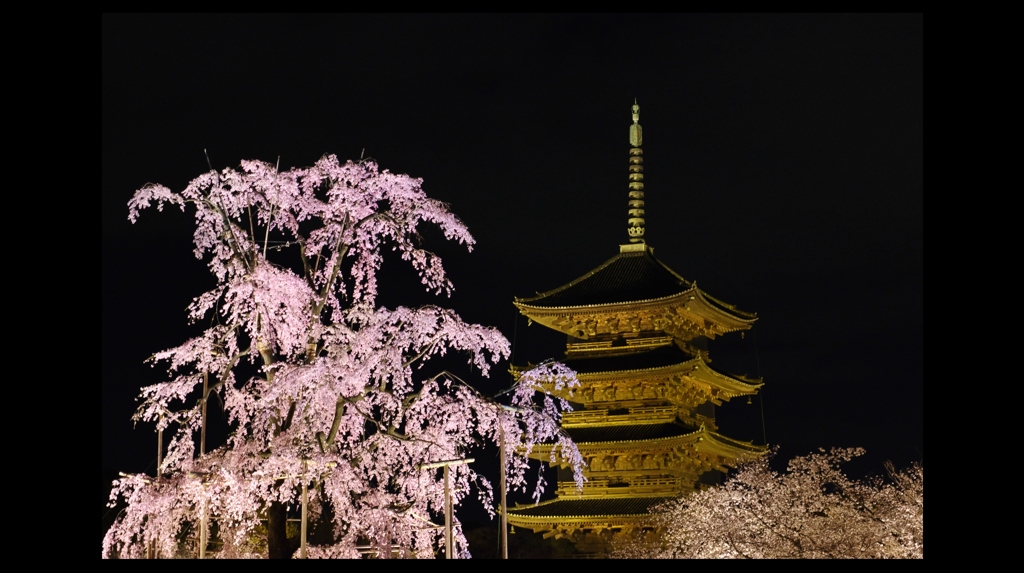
(448, 517)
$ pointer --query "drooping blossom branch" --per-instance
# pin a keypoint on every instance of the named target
(320, 385)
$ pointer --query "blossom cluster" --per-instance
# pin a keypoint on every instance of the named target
(322, 387)
(811, 511)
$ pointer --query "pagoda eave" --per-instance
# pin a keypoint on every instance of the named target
(717, 451)
(567, 515)
(581, 521)
(685, 315)
(559, 527)
(691, 377)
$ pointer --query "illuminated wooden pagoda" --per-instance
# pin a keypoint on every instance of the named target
(644, 416)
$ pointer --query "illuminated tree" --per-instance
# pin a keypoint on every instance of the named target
(322, 387)
(812, 511)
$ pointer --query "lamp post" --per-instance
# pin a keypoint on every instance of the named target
(447, 499)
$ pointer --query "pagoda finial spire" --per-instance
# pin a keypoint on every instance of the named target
(636, 179)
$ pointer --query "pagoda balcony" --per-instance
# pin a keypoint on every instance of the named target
(698, 420)
(642, 415)
(627, 486)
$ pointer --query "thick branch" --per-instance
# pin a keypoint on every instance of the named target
(342, 251)
(338, 411)
(422, 353)
(233, 242)
(222, 379)
(339, 408)
(306, 270)
(735, 547)
(288, 419)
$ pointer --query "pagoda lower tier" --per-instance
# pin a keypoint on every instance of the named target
(629, 469)
(592, 525)
(644, 422)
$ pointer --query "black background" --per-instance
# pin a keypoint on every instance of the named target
(783, 172)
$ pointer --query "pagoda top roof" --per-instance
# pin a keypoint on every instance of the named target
(633, 275)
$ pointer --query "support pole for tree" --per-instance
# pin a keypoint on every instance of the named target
(202, 431)
(504, 504)
(159, 449)
(202, 528)
(159, 460)
(203, 510)
(305, 501)
(448, 516)
(202, 451)
(504, 507)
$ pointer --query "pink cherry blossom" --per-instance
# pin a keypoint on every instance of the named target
(321, 385)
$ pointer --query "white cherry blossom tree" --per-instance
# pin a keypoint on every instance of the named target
(811, 511)
(324, 389)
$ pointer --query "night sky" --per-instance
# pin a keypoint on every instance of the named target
(783, 164)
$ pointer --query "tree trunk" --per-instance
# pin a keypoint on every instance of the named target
(278, 544)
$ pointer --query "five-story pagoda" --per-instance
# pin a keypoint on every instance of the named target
(645, 419)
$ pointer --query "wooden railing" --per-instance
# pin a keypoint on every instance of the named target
(602, 487)
(665, 413)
